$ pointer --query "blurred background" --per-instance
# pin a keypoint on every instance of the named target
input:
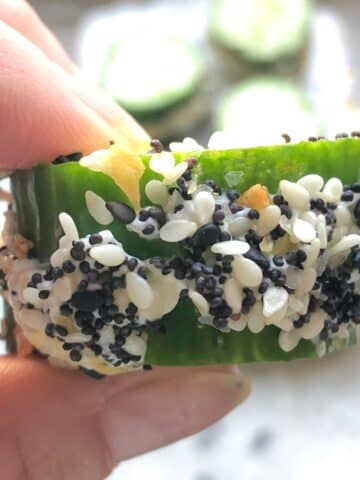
(255, 69)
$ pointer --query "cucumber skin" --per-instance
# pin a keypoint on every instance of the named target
(43, 192)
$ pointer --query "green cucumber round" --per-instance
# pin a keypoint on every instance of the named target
(259, 110)
(261, 30)
(148, 75)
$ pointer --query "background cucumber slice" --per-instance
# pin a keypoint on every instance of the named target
(259, 110)
(262, 30)
(148, 75)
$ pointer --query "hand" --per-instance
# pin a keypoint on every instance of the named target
(57, 424)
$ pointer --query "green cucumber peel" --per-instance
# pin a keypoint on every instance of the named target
(46, 190)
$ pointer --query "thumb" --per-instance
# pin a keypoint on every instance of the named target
(45, 113)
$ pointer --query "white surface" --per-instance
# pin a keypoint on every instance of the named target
(301, 422)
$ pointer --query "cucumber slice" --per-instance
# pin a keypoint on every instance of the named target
(262, 30)
(257, 111)
(41, 193)
(149, 75)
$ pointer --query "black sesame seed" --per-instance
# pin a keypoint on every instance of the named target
(149, 229)
(144, 215)
(93, 276)
(95, 238)
(277, 233)
(218, 217)
(75, 355)
(36, 278)
(65, 310)
(263, 287)
(68, 266)
(279, 200)
(341, 135)
(77, 254)
(157, 145)
(44, 294)
(178, 208)
(84, 267)
(347, 196)
(142, 272)
(87, 301)
(122, 212)
(98, 265)
(220, 323)
(253, 214)
(147, 366)
(278, 261)
(286, 137)
(206, 236)
(50, 329)
(286, 210)
(61, 330)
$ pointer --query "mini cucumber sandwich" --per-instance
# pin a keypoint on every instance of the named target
(260, 30)
(119, 260)
(157, 78)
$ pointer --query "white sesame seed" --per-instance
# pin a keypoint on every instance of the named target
(269, 219)
(255, 319)
(199, 301)
(162, 163)
(312, 253)
(204, 204)
(321, 349)
(289, 340)
(109, 255)
(31, 295)
(343, 216)
(293, 277)
(139, 291)
(279, 318)
(321, 231)
(298, 305)
(233, 295)
(274, 299)
(310, 217)
(304, 231)
(239, 225)
(297, 196)
(177, 230)
(68, 225)
(230, 247)
(247, 272)
(59, 256)
(156, 192)
(313, 183)
(311, 329)
(64, 242)
(62, 289)
(97, 208)
(332, 190)
(31, 319)
(135, 345)
(175, 173)
(238, 325)
(308, 279)
(345, 244)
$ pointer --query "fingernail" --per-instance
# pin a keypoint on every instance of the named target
(100, 101)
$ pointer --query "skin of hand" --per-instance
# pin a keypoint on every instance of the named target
(58, 424)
